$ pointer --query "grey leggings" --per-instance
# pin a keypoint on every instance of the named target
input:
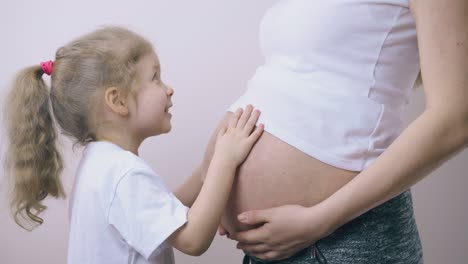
(385, 234)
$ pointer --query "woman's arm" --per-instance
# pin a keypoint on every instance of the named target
(435, 136)
(440, 132)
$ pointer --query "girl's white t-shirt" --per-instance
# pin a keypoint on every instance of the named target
(120, 210)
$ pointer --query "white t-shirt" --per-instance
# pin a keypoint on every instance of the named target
(120, 210)
(336, 76)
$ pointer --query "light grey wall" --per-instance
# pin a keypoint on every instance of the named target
(208, 50)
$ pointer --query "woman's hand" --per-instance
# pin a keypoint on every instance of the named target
(222, 231)
(235, 140)
(285, 231)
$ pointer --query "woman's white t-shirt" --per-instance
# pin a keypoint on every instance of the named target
(120, 210)
(336, 76)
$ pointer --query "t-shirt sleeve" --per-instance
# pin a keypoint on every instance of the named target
(144, 211)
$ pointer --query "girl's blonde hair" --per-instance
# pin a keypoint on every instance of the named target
(95, 61)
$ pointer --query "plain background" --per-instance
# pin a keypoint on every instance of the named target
(208, 50)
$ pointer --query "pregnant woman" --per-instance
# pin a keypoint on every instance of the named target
(334, 166)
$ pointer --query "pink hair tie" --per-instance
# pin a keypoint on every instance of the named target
(47, 67)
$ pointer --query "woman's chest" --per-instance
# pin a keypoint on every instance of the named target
(304, 26)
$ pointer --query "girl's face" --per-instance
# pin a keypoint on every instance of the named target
(149, 112)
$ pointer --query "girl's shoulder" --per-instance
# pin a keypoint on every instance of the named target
(105, 164)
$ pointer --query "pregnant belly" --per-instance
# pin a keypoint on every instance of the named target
(275, 174)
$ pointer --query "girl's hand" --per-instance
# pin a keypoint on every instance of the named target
(235, 140)
(285, 231)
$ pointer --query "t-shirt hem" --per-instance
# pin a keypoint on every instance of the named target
(307, 148)
(156, 240)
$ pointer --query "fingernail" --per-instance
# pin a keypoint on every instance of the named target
(242, 217)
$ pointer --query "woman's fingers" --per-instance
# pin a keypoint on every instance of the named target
(284, 230)
(272, 255)
(254, 248)
(254, 217)
(253, 236)
(222, 231)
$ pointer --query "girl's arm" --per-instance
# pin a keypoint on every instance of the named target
(189, 190)
(232, 147)
(434, 137)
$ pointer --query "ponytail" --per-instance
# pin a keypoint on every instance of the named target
(85, 66)
(33, 161)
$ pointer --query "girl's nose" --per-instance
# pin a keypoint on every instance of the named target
(170, 91)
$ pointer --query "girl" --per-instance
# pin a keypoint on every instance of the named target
(107, 94)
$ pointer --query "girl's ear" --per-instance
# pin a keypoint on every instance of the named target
(116, 100)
